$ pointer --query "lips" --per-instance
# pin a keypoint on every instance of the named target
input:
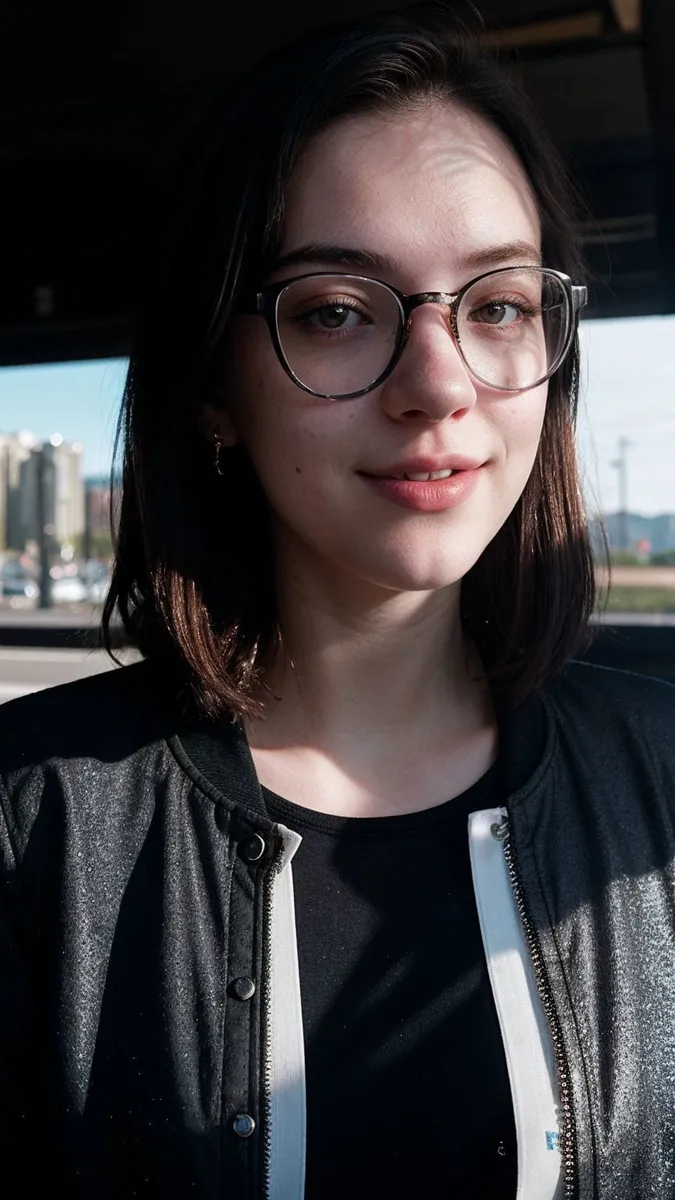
(420, 469)
(453, 489)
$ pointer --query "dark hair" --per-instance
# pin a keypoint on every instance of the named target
(193, 576)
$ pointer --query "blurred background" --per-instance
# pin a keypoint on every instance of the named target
(90, 110)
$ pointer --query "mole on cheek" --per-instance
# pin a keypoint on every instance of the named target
(298, 471)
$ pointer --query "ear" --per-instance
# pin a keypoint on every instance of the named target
(217, 423)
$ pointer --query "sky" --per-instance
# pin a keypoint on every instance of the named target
(628, 391)
(78, 400)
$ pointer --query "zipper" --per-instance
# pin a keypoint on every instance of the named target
(266, 1018)
(568, 1146)
(281, 1155)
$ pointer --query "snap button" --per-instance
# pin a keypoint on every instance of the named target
(243, 1125)
(243, 988)
(252, 848)
(500, 830)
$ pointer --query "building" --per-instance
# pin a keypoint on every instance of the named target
(98, 538)
(69, 513)
(24, 461)
(15, 451)
(98, 494)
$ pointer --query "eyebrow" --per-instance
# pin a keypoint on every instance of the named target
(317, 254)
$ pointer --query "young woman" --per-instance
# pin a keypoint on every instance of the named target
(358, 885)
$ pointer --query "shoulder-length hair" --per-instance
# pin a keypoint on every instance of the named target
(193, 579)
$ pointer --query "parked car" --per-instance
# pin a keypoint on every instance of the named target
(15, 580)
(69, 589)
(98, 590)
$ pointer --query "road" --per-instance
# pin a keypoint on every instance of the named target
(30, 670)
(640, 577)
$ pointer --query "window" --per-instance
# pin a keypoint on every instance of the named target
(57, 427)
(627, 449)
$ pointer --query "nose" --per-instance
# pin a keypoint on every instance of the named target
(430, 382)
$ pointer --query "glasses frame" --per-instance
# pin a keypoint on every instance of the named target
(265, 303)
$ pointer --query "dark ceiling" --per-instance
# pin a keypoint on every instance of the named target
(91, 98)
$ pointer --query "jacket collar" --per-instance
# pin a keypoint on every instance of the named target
(216, 753)
(525, 738)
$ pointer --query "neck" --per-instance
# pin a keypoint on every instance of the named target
(361, 662)
(375, 705)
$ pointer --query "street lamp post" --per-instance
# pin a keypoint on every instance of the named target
(621, 465)
(45, 529)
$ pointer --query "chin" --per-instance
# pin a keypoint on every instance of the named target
(416, 560)
(411, 576)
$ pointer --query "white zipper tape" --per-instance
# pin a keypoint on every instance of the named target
(529, 1051)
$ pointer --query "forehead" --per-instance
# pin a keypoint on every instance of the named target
(426, 188)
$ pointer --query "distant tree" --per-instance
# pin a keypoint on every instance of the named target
(100, 545)
(625, 558)
(665, 559)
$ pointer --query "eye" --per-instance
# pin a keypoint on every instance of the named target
(498, 312)
(333, 317)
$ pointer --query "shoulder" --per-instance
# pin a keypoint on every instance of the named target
(589, 682)
(609, 704)
(71, 753)
(103, 716)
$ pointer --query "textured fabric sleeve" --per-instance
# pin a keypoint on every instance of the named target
(22, 1114)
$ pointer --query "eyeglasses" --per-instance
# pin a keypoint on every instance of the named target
(339, 336)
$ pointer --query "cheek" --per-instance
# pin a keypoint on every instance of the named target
(299, 448)
(283, 440)
(518, 421)
(264, 403)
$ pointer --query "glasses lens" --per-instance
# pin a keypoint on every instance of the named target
(513, 327)
(338, 333)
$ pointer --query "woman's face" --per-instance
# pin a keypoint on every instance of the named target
(436, 197)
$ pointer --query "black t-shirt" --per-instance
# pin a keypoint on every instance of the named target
(407, 1089)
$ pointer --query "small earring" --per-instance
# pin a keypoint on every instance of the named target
(219, 445)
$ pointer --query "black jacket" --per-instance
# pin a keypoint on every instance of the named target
(136, 973)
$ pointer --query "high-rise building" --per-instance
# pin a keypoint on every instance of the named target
(23, 461)
(68, 491)
(15, 451)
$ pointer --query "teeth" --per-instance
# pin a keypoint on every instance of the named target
(425, 476)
